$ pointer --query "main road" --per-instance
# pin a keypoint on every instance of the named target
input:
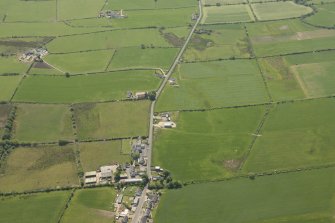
(138, 212)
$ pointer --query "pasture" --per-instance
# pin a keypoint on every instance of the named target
(300, 76)
(76, 9)
(288, 36)
(294, 197)
(43, 69)
(226, 14)
(85, 88)
(206, 145)
(279, 10)
(148, 4)
(324, 16)
(112, 120)
(8, 85)
(96, 154)
(91, 206)
(11, 64)
(38, 168)
(295, 135)
(4, 112)
(41, 207)
(42, 123)
(223, 2)
(220, 42)
(214, 84)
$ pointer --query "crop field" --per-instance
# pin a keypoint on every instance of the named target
(148, 4)
(300, 76)
(32, 167)
(4, 112)
(214, 84)
(279, 10)
(207, 145)
(219, 42)
(295, 135)
(324, 16)
(43, 123)
(76, 9)
(288, 36)
(112, 120)
(91, 206)
(135, 57)
(10, 65)
(41, 207)
(294, 197)
(227, 14)
(104, 153)
(8, 84)
(85, 88)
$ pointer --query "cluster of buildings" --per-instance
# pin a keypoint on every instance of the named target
(151, 202)
(164, 121)
(137, 96)
(104, 175)
(33, 55)
(110, 14)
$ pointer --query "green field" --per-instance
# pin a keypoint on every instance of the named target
(4, 112)
(112, 120)
(87, 88)
(295, 135)
(42, 123)
(324, 16)
(75, 9)
(39, 208)
(96, 154)
(148, 4)
(224, 41)
(10, 65)
(8, 85)
(279, 10)
(305, 197)
(288, 36)
(300, 76)
(91, 206)
(37, 168)
(207, 145)
(214, 84)
(135, 57)
(226, 14)
(223, 2)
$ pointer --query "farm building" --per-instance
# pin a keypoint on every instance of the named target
(140, 95)
(90, 177)
(119, 199)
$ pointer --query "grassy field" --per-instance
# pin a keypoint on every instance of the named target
(91, 206)
(214, 84)
(224, 41)
(288, 36)
(207, 145)
(279, 10)
(42, 207)
(324, 16)
(105, 40)
(296, 197)
(8, 84)
(75, 9)
(223, 2)
(227, 14)
(300, 76)
(9, 65)
(42, 123)
(88, 88)
(96, 154)
(135, 57)
(112, 120)
(44, 71)
(40, 167)
(4, 112)
(149, 4)
(86, 62)
(295, 135)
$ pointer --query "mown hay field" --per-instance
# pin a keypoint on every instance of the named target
(38, 168)
(227, 14)
(207, 145)
(294, 197)
(112, 120)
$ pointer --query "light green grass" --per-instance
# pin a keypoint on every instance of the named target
(135, 57)
(84, 62)
(88, 88)
(91, 206)
(8, 84)
(75, 9)
(42, 123)
(39, 208)
(214, 84)
(12, 65)
(96, 154)
(45, 71)
(295, 135)
(279, 10)
(227, 14)
(223, 2)
(306, 197)
(324, 16)
(38, 168)
(207, 145)
(149, 4)
(4, 112)
(112, 120)
(225, 41)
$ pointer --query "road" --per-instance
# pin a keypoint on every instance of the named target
(137, 215)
